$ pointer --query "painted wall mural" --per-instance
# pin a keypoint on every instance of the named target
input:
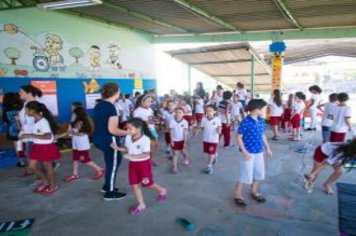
(51, 55)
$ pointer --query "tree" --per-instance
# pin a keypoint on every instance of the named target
(13, 54)
(76, 53)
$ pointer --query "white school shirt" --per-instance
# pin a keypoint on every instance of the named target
(127, 104)
(275, 110)
(139, 146)
(119, 110)
(199, 106)
(317, 99)
(210, 127)
(235, 108)
(328, 149)
(42, 127)
(80, 142)
(178, 129)
(328, 110)
(187, 110)
(167, 117)
(298, 107)
(339, 114)
(145, 115)
(242, 94)
(27, 123)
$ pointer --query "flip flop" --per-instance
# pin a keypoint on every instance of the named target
(49, 191)
(258, 198)
(162, 197)
(99, 174)
(240, 202)
(135, 210)
(40, 188)
(71, 178)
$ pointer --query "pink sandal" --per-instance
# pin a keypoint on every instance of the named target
(135, 210)
(162, 196)
(186, 161)
(71, 178)
(99, 174)
(40, 188)
(49, 191)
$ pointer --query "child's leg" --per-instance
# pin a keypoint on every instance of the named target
(238, 191)
(75, 167)
(154, 145)
(94, 166)
(160, 190)
(139, 197)
(32, 166)
(275, 131)
(254, 188)
(51, 174)
(211, 158)
(317, 167)
(333, 177)
(175, 160)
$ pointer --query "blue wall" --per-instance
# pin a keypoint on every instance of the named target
(70, 90)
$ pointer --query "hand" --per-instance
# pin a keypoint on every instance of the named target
(247, 156)
(114, 146)
(269, 152)
(127, 156)
(172, 144)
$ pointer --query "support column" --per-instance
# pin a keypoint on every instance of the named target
(277, 64)
(189, 79)
(252, 75)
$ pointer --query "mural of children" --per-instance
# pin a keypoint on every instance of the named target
(95, 55)
(114, 51)
(53, 45)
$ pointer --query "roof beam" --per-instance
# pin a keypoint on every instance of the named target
(205, 14)
(219, 62)
(141, 16)
(282, 6)
(323, 33)
(239, 75)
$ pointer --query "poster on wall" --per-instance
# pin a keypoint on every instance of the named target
(49, 97)
(90, 100)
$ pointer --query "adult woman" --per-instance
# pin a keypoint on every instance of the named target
(106, 122)
(12, 104)
(27, 93)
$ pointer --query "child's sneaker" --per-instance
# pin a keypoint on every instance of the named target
(209, 170)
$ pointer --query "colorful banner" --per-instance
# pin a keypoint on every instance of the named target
(277, 63)
(49, 97)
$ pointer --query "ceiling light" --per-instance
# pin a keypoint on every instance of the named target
(68, 4)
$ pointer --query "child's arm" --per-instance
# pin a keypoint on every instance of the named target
(348, 123)
(62, 135)
(185, 136)
(117, 148)
(265, 143)
(227, 114)
(45, 136)
(320, 107)
(218, 130)
(242, 112)
(241, 145)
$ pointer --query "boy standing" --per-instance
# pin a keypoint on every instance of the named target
(251, 139)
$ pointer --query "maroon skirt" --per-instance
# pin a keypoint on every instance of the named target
(45, 152)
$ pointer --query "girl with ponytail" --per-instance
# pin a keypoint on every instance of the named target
(138, 151)
(43, 149)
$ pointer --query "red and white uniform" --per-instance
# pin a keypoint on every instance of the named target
(275, 112)
(199, 110)
(44, 149)
(339, 127)
(146, 114)
(140, 171)
(326, 152)
(224, 110)
(177, 129)
(188, 113)
(235, 110)
(81, 147)
(327, 120)
(167, 117)
(210, 134)
(297, 111)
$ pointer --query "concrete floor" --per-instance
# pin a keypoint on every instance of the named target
(78, 208)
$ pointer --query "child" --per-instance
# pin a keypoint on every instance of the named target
(341, 116)
(43, 149)
(199, 109)
(80, 130)
(237, 111)
(326, 122)
(137, 147)
(251, 139)
(334, 154)
(211, 125)
(287, 112)
(73, 107)
(188, 113)
(224, 108)
(179, 135)
(276, 110)
(313, 106)
(143, 111)
(297, 113)
(167, 116)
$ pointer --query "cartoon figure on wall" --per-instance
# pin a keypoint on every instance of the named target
(95, 55)
(114, 52)
(53, 45)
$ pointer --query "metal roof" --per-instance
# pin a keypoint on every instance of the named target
(162, 17)
(228, 63)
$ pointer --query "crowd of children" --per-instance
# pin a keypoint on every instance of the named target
(138, 122)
